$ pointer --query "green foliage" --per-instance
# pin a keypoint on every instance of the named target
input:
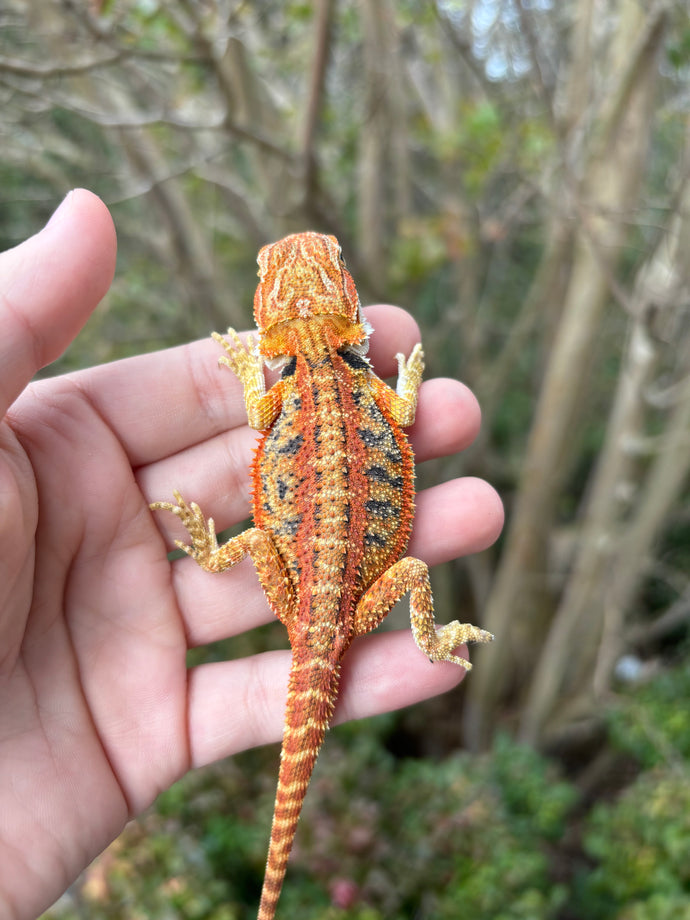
(416, 838)
(640, 844)
(536, 800)
(34, 196)
(661, 591)
(382, 838)
(511, 419)
(653, 722)
(479, 143)
(679, 49)
(379, 838)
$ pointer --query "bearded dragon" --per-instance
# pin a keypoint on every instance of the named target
(333, 500)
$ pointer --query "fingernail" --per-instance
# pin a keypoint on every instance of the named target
(61, 210)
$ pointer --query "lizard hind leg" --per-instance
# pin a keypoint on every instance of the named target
(253, 542)
(437, 643)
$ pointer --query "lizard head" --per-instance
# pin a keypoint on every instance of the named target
(303, 279)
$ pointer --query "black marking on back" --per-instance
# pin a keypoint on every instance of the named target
(372, 438)
(380, 508)
(374, 539)
(290, 525)
(394, 454)
(292, 446)
(355, 361)
(379, 474)
(290, 367)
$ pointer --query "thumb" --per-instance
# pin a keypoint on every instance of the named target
(49, 286)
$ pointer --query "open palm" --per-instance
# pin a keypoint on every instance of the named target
(98, 712)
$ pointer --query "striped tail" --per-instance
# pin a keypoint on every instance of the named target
(312, 692)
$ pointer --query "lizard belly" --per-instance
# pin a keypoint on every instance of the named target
(333, 485)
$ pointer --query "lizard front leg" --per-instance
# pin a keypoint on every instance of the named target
(437, 643)
(401, 402)
(254, 543)
(247, 365)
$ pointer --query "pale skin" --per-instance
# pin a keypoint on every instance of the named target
(98, 713)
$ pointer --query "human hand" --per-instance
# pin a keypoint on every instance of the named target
(98, 712)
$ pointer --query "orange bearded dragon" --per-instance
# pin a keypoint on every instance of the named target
(333, 496)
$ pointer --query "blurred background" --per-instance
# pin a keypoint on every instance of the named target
(516, 173)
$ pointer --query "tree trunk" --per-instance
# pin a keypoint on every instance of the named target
(520, 606)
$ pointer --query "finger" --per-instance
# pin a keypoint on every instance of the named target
(447, 421)
(453, 519)
(18, 516)
(163, 403)
(240, 704)
(49, 286)
(166, 402)
(395, 332)
(214, 473)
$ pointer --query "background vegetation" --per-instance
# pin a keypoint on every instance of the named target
(516, 173)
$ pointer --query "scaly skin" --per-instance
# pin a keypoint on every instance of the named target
(333, 494)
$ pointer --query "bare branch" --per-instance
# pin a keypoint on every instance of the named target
(674, 618)
(315, 95)
(463, 46)
(545, 85)
(521, 592)
(48, 70)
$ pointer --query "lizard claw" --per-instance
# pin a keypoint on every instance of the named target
(201, 532)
